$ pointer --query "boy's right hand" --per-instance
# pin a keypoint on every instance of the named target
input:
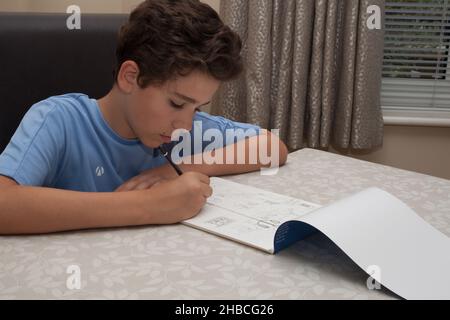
(180, 198)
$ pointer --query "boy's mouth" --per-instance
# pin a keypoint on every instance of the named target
(165, 139)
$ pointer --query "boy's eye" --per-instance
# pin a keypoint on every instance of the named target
(178, 106)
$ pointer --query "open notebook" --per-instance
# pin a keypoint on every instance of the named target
(372, 227)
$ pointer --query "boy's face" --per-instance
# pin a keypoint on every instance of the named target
(154, 112)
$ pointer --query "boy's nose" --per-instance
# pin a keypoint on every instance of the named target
(183, 124)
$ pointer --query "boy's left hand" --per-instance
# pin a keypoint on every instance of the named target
(148, 178)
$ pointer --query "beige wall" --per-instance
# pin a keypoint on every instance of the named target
(88, 6)
(421, 149)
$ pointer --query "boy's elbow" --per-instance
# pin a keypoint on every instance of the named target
(283, 153)
(282, 149)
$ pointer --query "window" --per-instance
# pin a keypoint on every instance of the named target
(416, 62)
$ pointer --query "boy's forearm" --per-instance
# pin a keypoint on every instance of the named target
(25, 210)
(249, 146)
(221, 169)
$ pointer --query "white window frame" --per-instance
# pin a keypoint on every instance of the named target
(416, 116)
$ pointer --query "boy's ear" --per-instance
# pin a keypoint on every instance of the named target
(127, 77)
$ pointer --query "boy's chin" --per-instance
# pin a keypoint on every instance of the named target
(152, 142)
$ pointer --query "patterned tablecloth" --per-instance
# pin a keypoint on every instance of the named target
(178, 262)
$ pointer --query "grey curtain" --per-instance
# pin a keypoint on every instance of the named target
(312, 70)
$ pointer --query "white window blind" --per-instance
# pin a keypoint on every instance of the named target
(416, 63)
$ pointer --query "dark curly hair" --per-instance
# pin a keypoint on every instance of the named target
(169, 38)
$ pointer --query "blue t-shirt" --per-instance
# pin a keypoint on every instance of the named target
(64, 142)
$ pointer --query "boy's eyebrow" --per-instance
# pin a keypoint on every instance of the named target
(189, 99)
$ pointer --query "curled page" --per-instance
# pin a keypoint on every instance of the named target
(374, 228)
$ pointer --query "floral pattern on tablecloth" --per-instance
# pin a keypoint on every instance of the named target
(178, 262)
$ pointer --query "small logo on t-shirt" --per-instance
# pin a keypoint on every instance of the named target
(99, 171)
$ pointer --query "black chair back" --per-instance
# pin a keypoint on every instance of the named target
(41, 57)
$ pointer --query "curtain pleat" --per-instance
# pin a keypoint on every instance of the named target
(312, 70)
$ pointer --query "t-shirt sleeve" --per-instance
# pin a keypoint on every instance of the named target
(32, 156)
(212, 132)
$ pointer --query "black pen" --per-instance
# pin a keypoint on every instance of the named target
(165, 153)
